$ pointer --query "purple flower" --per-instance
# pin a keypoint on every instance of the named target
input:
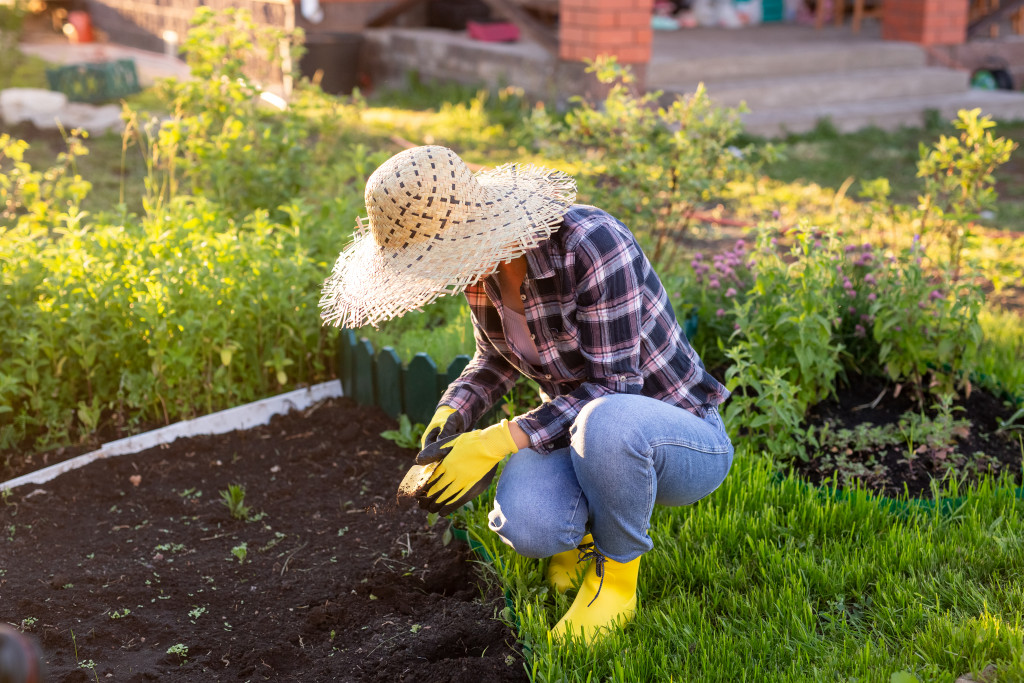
(847, 284)
(837, 321)
(776, 214)
(817, 243)
(851, 293)
(851, 310)
(736, 326)
(720, 312)
(731, 292)
(867, 318)
(935, 294)
(859, 331)
(870, 279)
(897, 328)
(741, 245)
(678, 295)
(713, 283)
(773, 241)
(920, 304)
(697, 256)
(850, 247)
(872, 296)
(866, 246)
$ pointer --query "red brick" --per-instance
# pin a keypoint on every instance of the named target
(632, 19)
(643, 36)
(636, 54)
(571, 34)
(600, 20)
(610, 37)
(575, 52)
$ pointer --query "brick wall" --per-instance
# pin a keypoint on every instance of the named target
(589, 28)
(927, 22)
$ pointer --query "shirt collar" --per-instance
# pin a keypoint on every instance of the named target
(539, 260)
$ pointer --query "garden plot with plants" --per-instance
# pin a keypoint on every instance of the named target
(871, 527)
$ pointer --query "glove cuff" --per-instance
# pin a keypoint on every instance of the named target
(502, 437)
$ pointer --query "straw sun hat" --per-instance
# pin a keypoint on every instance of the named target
(433, 227)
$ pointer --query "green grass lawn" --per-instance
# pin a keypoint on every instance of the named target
(771, 580)
(829, 160)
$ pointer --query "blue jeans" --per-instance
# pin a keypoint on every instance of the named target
(626, 453)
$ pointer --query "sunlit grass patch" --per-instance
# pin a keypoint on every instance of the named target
(770, 579)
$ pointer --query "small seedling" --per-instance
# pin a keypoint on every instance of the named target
(234, 499)
(1015, 421)
(120, 614)
(240, 551)
(196, 612)
(181, 650)
(407, 435)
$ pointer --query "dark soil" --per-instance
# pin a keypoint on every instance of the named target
(111, 566)
(975, 449)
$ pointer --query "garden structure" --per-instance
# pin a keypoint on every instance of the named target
(869, 330)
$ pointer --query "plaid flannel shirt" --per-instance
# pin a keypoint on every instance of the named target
(602, 324)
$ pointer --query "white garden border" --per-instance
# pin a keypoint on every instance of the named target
(240, 417)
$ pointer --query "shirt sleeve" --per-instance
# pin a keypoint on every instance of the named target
(484, 380)
(609, 314)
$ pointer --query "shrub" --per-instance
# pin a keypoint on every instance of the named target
(651, 166)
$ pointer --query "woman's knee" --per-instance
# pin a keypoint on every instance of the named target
(539, 508)
(530, 532)
(604, 426)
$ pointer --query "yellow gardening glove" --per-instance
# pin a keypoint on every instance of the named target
(439, 427)
(468, 462)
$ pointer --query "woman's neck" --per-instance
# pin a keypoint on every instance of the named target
(510, 280)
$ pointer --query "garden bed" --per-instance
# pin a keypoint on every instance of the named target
(877, 438)
(133, 567)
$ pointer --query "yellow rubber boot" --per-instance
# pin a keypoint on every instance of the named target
(601, 604)
(564, 569)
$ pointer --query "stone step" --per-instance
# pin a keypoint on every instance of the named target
(888, 114)
(833, 88)
(667, 69)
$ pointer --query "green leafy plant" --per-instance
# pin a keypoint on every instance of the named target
(240, 552)
(407, 435)
(927, 331)
(181, 650)
(12, 20)
(234, 500)
(958, 178)
(649, 164)
(765, 408)
(1014, 422)
(786, 321)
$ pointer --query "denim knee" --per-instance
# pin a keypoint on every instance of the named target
(539, 507)
(529, 532)
(601, 423)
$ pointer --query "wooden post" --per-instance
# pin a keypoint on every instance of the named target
(420, 391)
(389, 381)
(364, 392)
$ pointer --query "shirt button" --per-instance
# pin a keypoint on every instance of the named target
(547, 376)
(533, 336)
(523, 297)
(622, 378)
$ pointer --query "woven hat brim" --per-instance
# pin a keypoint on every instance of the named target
(370, 284)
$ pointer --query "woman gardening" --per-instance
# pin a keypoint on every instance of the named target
(563, 294)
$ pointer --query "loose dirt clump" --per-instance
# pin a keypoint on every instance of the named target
(133, 568)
